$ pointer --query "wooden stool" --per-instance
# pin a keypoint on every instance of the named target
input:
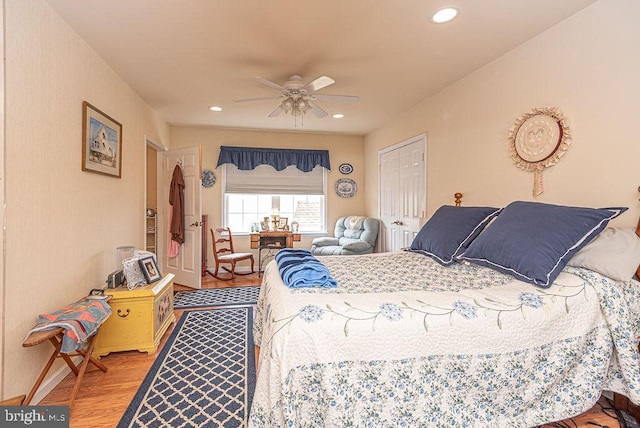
(55, 337)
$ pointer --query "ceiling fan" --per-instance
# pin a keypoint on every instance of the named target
(297, 97)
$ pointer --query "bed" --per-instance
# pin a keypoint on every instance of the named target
(446, 336)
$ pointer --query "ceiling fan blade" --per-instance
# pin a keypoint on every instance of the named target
(319, 83)
(336, 98)
(269, 83)
(276, 112)
(317, 110)
(243, 100)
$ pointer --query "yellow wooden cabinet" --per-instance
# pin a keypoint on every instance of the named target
(139, 319)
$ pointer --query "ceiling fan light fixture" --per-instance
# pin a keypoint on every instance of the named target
(299, 110)
(295, 107)
(444, 14)
(287, 105)
(297, 98)
(215, 108)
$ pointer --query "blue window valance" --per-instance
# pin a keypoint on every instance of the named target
(247, 158)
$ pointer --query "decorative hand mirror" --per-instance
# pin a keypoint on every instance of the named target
(537, 140)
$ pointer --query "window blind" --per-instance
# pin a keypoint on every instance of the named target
(264, 179)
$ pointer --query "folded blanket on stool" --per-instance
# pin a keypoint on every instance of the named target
(80, 320)
(300, 269)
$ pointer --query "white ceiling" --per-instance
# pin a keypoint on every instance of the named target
(182, 56)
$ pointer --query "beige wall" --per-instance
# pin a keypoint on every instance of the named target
(588, 66)
(2, 200)
(62, 224)
(342, 148)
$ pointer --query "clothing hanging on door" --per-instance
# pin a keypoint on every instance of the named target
(176, 211)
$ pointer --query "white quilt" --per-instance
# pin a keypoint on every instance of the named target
(404, 341)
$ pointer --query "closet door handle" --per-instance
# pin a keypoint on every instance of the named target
(398, 222)
(196, 224)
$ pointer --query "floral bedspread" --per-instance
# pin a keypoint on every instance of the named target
(403, 341)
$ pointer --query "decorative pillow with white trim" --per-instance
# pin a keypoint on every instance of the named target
(614, 253)
(533, 241)
(450, 230)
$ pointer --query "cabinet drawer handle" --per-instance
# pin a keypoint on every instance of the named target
(125, 315)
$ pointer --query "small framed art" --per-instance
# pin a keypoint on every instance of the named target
(149, 269)
(283, 222)
(101, 142)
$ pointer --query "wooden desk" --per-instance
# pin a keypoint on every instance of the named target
(272, 242)
(205, 232)
(283, 237)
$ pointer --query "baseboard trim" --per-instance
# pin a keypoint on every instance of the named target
(52, 381)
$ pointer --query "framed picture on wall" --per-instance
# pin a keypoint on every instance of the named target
(101, 142)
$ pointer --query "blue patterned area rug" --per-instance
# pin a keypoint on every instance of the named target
(216, 297)
(203, 377)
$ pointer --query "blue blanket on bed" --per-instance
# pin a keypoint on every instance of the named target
(300, 269)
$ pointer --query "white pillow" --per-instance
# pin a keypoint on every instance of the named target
(614, 253)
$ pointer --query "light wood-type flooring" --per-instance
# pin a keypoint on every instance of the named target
(103, 397)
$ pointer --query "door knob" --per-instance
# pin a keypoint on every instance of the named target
(196, 224)
(398, 222)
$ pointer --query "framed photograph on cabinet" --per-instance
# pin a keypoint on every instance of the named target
(101, 142)
(283, 222)
(149, 269)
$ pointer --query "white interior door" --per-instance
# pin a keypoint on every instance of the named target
(186, 266)
(402, 192)
(390, 231)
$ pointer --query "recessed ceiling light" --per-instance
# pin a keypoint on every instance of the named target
(337, 116)
(215, 108)
(443, 15)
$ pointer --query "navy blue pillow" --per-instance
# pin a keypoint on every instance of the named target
(534, 241)
(450, 230)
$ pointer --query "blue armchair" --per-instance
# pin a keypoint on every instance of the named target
(352, 235)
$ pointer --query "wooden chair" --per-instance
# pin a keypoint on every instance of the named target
(223, 253)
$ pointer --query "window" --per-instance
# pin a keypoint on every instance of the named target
(249, 196)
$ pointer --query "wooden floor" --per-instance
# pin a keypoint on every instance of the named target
(103, 397)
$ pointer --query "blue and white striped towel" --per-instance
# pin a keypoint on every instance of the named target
(300, 269)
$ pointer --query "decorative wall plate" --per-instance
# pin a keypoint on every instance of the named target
(346, 188)
(208, 178)
(345, 168)
(537, 140)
